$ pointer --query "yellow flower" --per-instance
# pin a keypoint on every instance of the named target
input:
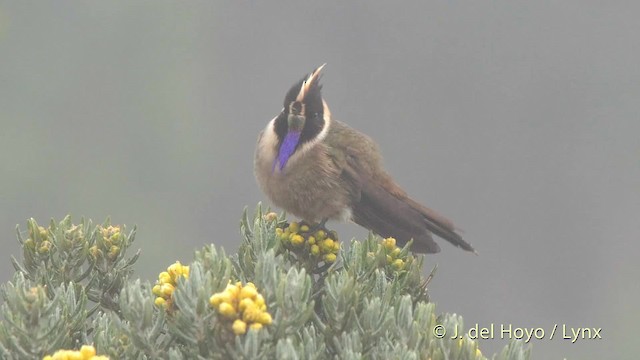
(87, 351)
(167, 289)
(164, 277)
(330, 258)
(398, 264)
(116, 237)
(160, 301)
(251, 313)
(389, 243)
(217, 299)
(327, 245)
(248, 291)
(256, 326)
(233, 289)
(114, 251)
(308, 246)
(239, 327)
(244, 303)
(227, 310)
(29, 243)
(259, 301)
(336, 246)
(297, 240)
(45, 246)
(95, 252)
(176, 270)
(265, 318)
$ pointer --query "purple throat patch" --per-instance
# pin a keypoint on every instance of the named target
(286, 149)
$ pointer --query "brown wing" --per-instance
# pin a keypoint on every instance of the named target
(384, 208)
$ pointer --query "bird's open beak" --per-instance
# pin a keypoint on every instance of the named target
(313, 77)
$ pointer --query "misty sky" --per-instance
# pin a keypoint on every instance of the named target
(520, 121)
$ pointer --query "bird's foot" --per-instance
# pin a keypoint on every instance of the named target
(313, 228)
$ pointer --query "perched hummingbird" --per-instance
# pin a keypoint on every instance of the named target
(318, 168)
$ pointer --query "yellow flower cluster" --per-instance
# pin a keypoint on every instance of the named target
(319, 244)
(86, 352)
(270, 217)
(394, 254)
(167, 282)
(110, 243)
(243, 305)
(39, 240)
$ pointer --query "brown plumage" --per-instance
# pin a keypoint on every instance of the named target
(318, 168)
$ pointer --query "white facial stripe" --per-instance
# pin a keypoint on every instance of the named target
(269, 140)
(325, 110)
(270, 134)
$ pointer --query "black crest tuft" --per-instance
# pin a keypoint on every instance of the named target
(313, 109)
(292, 94)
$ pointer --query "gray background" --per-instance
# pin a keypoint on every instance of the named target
(518, 120)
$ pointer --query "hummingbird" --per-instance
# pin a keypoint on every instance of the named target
(318, 168)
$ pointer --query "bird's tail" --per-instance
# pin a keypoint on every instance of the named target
(399, 216)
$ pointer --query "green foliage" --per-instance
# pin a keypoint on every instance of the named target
(73, 288)
(90, 258)
(37, 320)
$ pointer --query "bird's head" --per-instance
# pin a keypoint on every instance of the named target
(302, 119)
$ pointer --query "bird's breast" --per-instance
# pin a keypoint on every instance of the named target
(309, 186)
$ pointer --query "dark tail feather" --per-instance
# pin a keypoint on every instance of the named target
(404, 219)
(384, 226)
(449, 235)
(441, 226)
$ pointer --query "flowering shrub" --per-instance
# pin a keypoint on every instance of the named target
(291, 291)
